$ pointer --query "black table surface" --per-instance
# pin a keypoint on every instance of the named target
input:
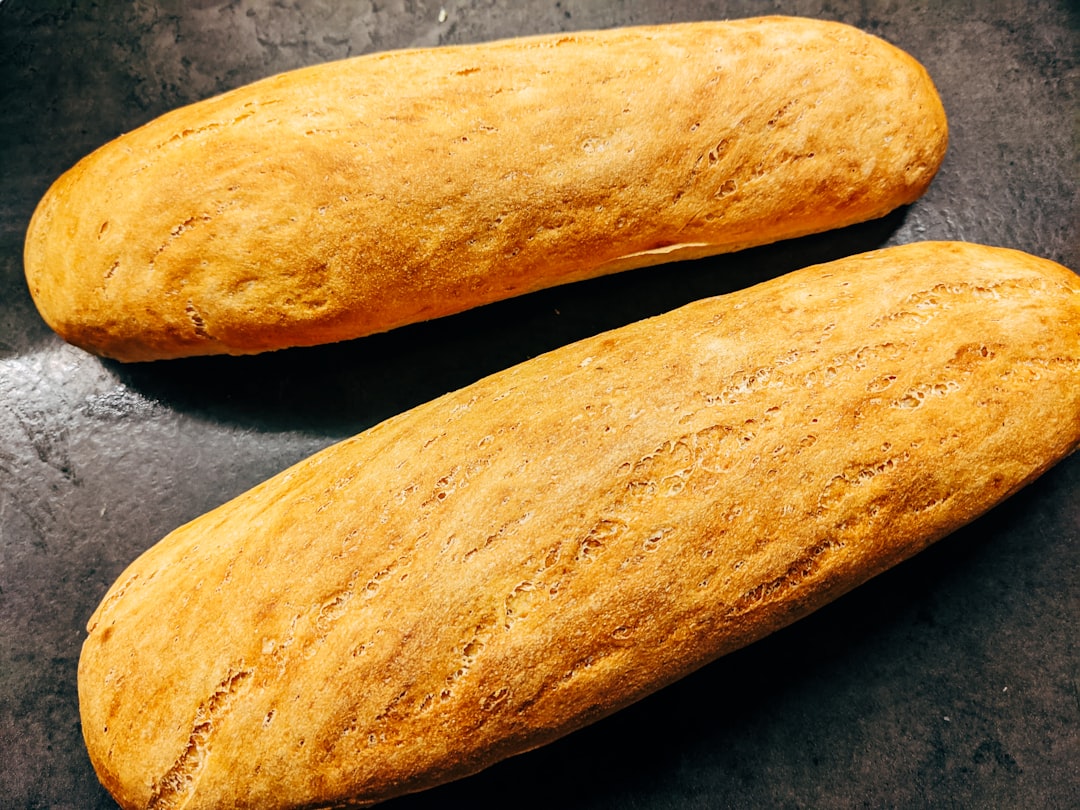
(951, 681)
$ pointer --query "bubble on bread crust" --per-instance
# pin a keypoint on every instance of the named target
(840, 485)
(1036, 367)
(465, 659)
(653, 541)
(334, 606)
(391, 707)
(173, 790)
(197, 320)
(914, 397)
(921, 306)
(745, 383)
(371, 587)
(551, 557)
(490, 701)
(115, 596)
(935, 502)
(714, 448)
(717, 151)
(802, 569)
(603, 532)
(782, 115)
(590, 547)
(726, 188)
(879, 384)
(520, 601)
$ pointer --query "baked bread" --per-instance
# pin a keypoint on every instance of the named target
(352, 197)
(495, 568)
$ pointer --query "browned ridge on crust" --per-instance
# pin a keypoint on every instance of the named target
(495, 568)
(353, 197)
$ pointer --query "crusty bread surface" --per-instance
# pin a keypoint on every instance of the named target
(356, 196)
(500, 566)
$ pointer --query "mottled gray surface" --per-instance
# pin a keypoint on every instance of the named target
(949, 682)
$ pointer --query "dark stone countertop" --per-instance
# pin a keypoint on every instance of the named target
(950, 681)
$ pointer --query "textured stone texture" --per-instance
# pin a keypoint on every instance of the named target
(950, 681)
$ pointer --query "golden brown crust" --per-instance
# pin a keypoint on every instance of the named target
(353, 197)
(495, 568)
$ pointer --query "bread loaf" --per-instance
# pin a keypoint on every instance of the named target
(349, 198)
(495, 568)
